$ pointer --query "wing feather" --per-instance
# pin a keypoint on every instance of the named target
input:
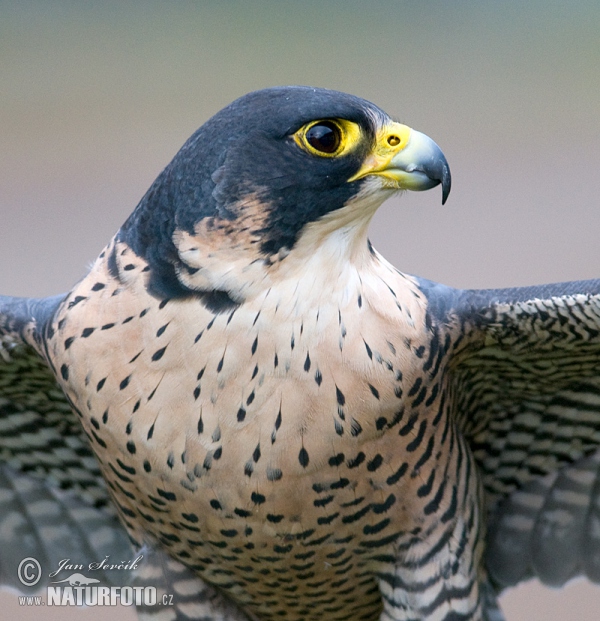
(524, 372)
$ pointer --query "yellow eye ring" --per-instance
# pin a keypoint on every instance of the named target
(328, 137)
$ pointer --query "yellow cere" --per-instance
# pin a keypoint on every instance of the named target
(391, 139)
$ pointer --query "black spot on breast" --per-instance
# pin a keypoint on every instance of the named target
(323, 502)
(416, 442)
(147, 466)
(158, 354)
(376, 528)
(327, 519)
(379, 508)
(354, 517)
(410, 424)
(98, 286)
(336, 460)
(275, 519)
(434, 504)
(190, 517)
(374, 391)
(415, 387)
(274, 474)
(394, 478)
(303, 457)
(124, 383)
(166, 495)
(76, 300)
(340, 483)
(307, 363)
(374, 463)
(426, 455)
(113, 267)
(69, 342)
(122, 477)
(136, 357)
(433, 395)
(425, 489)
(357, 461)
(355, 428)
(64, 371)
(241, 415)
(128, 469)
(131, 447)
(98, 439)
(257, 499)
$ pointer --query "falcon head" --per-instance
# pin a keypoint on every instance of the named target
(268, 180)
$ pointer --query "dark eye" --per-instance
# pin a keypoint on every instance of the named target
(324, 137)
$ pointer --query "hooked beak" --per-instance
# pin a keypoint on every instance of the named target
(407, 160)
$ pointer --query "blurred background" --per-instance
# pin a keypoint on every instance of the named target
(95, 99)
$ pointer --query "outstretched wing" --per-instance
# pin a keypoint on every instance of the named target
(53, 501)
(525, 375)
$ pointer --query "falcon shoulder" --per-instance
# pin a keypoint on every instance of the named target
(524, 375)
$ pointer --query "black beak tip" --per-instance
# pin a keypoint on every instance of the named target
(446, 183)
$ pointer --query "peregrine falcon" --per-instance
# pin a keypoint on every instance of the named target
(283, 424)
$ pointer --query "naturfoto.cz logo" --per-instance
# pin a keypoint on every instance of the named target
(80, 590)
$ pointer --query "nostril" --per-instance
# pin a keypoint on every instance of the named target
(393, 140)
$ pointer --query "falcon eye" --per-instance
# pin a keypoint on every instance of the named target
(329, 137)
(325, 137)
